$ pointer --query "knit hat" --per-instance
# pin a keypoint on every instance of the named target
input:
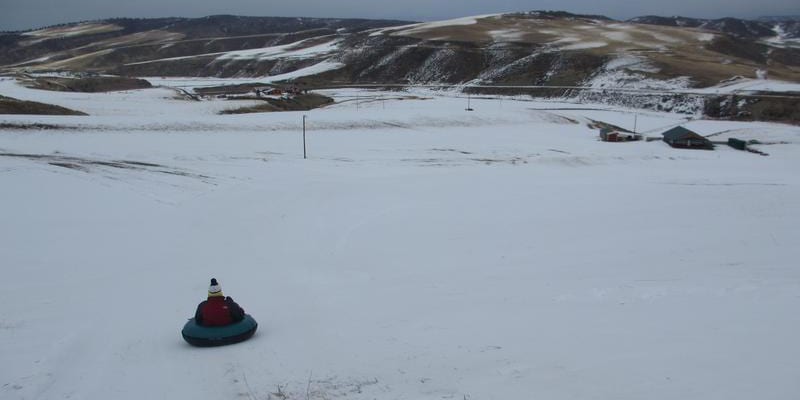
(214, 289)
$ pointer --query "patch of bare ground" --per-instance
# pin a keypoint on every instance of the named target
(241, 88)
(705, 57)
(718, 61)
(192, 66)
(87, 28)
(302, 102)
(88, 165)
(510, 28)
(35, 126)
(89, 84)
(784, 108)
(10, 105)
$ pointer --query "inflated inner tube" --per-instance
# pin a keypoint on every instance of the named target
(206, 336)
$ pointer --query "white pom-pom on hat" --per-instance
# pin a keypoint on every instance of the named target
(214, 289)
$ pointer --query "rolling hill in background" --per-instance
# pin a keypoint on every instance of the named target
(532, 48)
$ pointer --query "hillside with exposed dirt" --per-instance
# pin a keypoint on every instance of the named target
(10, 105)
(534, 48)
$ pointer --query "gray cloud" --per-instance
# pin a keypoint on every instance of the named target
(26, 14)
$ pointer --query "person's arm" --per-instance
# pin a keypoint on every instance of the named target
(198, 315)
(237, 312)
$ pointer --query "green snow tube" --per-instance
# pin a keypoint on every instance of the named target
(207, 336)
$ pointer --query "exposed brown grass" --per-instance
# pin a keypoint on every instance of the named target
(89, 84)
(297, 103)
(135, 39)
(705, 56)
(784, 109)
(88, 28)
(82, 62)
(10, 105)
(228, 89)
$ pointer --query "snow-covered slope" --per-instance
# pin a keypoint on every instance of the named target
(421, 252)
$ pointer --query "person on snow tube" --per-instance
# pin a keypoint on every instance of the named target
(218, 310)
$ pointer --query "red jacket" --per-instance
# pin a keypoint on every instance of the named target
(218, 311)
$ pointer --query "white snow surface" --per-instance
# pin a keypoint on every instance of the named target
(625, 72)
(294, 50)
(782, 38)
(585, 45)
(705, 37)
(420, 252)
(427, 26)
(288, 51)
(318, 68)
(195, 82)
(507, 35)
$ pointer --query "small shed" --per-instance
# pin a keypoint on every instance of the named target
(682, 138)
(737, 144)
(611, 135)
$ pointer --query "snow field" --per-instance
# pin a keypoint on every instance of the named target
(422, 251)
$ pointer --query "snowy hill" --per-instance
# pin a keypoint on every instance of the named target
(420, 252)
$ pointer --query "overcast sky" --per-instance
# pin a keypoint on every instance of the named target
(26, 14)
